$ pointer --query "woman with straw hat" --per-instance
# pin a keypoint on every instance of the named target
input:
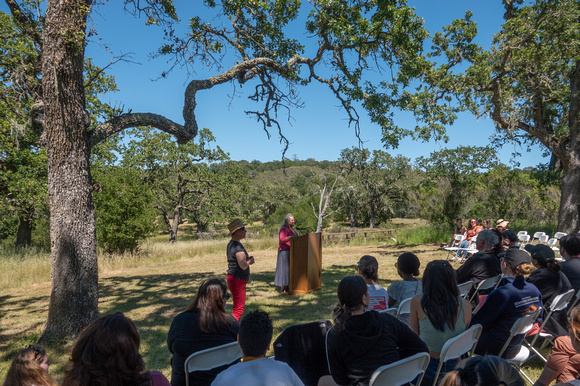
(238, 266)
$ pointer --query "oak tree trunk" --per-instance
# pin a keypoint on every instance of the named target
(74, 278)
(568, 214)
(24, 234)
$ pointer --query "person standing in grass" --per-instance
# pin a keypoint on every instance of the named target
(285, 235)
(238, 266)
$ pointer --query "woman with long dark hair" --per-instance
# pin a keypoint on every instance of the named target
(483, 371)
(106, 352)
(29, 368)
(439, 314)
(472, 230)
(361, 341)
(204, 324)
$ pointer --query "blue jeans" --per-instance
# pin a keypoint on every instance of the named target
(432, 368)
(464, 244)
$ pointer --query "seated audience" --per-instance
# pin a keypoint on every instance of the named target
(570, 251)
(501, 225)
(360, 342)
(487, 224)
(564, 361)
(439, 314)
(483, 264)
(483, 371)
(106, 352)
(408, 269)
(551, 282)
(368, 268)
(255, 369)
(460, 229)
(498, 247)
(472, 230)
(510, 239)
(506, 304)
(204, 324)
(29, 367)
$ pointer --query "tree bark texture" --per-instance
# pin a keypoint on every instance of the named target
(568, 214)
(74, 278)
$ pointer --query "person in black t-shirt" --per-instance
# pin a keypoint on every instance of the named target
(238, 266)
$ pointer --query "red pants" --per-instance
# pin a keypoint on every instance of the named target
(238, 289)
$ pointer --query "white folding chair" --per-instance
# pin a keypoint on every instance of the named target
(401, 372)
(211, 358)
(453, 247)
(537, 236)
(458, 346)
(464, 288)
(490, 282)
(521, 326)
(543, 239)
(522, 233)
(559, 303)
(404, 307)
(524, 239)
(559, 235)
(390, 311)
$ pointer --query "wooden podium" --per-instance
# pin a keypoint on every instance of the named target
(305, 263)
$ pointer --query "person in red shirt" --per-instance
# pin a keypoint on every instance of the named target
(285, 235)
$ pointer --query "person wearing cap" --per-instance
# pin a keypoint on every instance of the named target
(501, 225)
(238, 266)
(570, 251)
(506, 304)
(510, 239)
(551, 282)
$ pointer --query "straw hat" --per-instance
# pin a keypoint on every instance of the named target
(235, 225)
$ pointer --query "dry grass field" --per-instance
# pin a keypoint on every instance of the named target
(155, 285)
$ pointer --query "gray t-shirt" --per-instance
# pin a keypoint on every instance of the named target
(401, 290)
(379, 298)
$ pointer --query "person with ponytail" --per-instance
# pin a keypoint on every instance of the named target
(361, 341)
(368, 268)
(483, 371)
(506, 304)
(408, 269)
(29, 368)
(439, 314)
(551, 281)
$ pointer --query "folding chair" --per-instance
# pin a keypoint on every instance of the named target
(559, 235)
(559, 303)
(524, 239)
(575, 302)
(458, 346)
(404, 307)
(453, 247)
(211, 358)
(521, 326)
(390, 311)
(522, 233)
(537, 236)
(490, 282)
(401, 372)
(543, 239)
(464, 288)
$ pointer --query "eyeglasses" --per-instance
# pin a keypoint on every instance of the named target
(243, 229)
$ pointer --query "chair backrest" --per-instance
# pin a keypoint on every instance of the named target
(211, 358)
(464, 288)
(490, 282)
(456, 347)
(524, 238)
(390, 311)
(522, 233)
(401, 372)
(537, 235)
(577, 298)
(544, 239)
(552, 242)
(404, 307)
(458, 238)
(559, 235)
(473, 239)
(561, 301)
(521, 326)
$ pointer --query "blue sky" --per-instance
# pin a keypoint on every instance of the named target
(319, 130)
